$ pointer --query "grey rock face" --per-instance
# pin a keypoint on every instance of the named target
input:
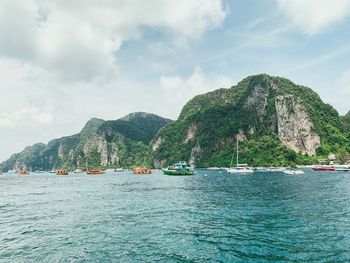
(295, 128)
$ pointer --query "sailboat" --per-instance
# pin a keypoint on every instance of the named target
(240, 168)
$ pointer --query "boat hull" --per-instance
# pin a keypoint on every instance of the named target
(177, 172)
(269, 170)
(142, 170)
(342, 169)
(293, 172)
(95, 172)
(62, 172)
(239, 171)
(320, 169)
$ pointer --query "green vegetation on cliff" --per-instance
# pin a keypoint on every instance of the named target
(121, 143)
(277, 122)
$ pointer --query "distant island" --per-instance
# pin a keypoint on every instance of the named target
(277, 122)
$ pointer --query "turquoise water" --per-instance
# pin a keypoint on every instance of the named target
(211, 216)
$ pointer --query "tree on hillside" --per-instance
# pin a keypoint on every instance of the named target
(342, 156)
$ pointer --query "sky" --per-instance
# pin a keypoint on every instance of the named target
(63, 62)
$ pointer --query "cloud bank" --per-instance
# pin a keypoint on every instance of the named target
(59, 61)
(314, 16)
(77, 39)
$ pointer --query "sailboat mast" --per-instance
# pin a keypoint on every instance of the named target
(237, 151)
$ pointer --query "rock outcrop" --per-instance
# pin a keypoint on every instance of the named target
(276, 121)
(191, 132)
(258, 101)
(261, 111)
(124, 142)
(295, 127)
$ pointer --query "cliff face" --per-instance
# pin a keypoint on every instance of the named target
(123, 143)
(259, 109)
(295, 128)
(276, 121)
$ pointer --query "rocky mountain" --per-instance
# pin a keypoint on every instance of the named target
(124, 143)
(276, 121)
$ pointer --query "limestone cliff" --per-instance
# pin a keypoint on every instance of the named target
(295, 127)
(262, 111)
(120, 143)
(276, 121)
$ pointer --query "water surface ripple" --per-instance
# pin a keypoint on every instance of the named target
(211, 216)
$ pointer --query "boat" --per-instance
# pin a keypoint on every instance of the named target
(142, 170)
(269, 169)
(324, 168)
(214, 168)
(62, 172)
(95, 171)
(240, 168)
(23, 172)
(293, 171)
(341, 169)
(180, 168)
(119, 170)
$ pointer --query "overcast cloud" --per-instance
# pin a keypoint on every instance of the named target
(63, 62)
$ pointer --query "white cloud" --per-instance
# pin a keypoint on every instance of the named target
(160, 49)
(58, 61)
(181, 90)
(4, 122)
(78, 39)
(313, 16)
(43, 117)
(24, 117)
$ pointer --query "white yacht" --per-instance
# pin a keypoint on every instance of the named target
(293, 171)
(270, 169)
(239, 168)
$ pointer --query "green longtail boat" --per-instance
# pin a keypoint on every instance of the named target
(181, 168)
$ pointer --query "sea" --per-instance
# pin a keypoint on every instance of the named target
(212, 216)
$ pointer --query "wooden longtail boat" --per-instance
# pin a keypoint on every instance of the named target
(62, 172)
(23, 172)
(95, 171)
(142, 170)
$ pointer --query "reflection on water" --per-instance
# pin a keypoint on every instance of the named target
(211, 216)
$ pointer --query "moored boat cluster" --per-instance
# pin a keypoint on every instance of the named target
(182, 168)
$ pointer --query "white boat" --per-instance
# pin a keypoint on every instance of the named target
(240, 168)
(270, 169)
(293, 171)
(213, 168)
(340, 169)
